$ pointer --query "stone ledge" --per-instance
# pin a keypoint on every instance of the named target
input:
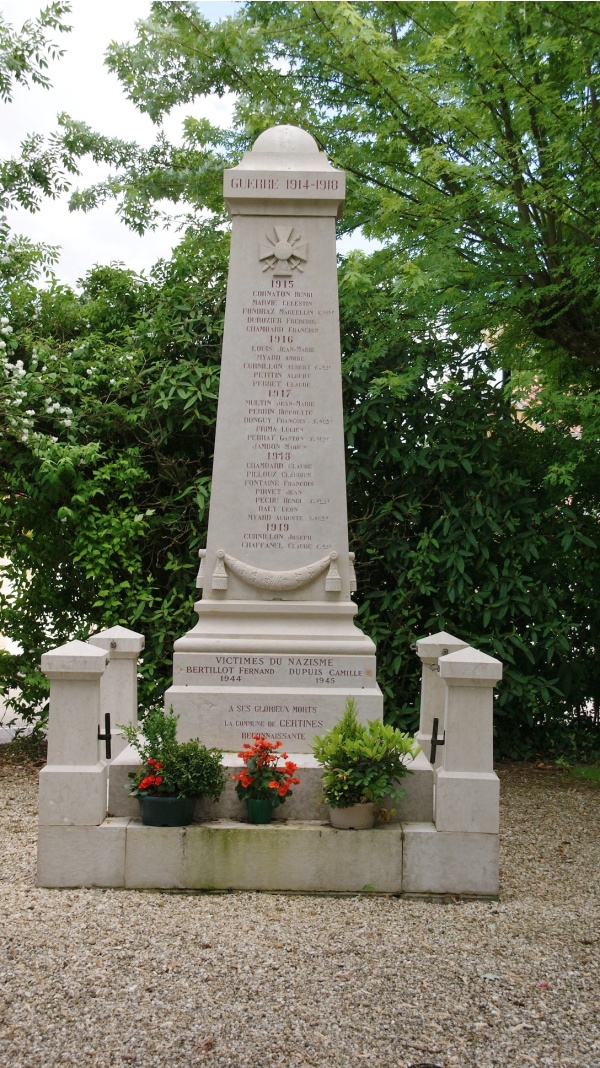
(304, 804)
(295, 857)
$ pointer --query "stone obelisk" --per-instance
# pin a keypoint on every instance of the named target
(275, 649)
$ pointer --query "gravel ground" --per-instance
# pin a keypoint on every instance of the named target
(112, 978)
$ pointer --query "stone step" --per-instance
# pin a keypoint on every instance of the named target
(297, 856)
(305, 803)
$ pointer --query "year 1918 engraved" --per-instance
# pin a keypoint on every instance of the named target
(321, 184)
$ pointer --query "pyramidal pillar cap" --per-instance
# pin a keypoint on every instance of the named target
(74, 660)
(436, 645)
(120, 642)
(470, 664)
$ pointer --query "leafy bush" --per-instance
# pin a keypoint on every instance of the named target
(170, 768)
(362, 763)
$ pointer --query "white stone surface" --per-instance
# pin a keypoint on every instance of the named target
(73, 796)
(470, 677)
(471, 664)
(120, 642)
(467, 801)
(299, 857)
(119, 801)
(294, 856)
(260, 670)
(280, 403)
(74, 660)
(73, 721)
(118, 686)
(227, 717)
(417, 806)
(156, 857)
(275, 572)
(82, 856)
(433, 688)
(435, 862)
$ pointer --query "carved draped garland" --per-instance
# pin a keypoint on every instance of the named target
(263, 579)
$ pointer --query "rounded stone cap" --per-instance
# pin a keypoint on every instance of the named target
(285, 139)
(284, 148)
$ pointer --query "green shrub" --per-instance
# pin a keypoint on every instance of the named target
(170, 768)
(362, 763)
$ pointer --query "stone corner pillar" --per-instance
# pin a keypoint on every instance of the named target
(467, 790)
(433, 689)
(118, 687)
(73, 784)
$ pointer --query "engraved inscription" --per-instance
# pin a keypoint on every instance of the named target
(287, 373)
(237, 669)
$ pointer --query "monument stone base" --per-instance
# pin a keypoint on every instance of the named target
(285, 669)
(298, 857)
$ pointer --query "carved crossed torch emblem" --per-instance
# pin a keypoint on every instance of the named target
(284, 253)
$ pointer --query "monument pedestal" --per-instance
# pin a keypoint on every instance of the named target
(278, 668)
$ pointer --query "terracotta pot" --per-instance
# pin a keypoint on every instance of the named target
(354, 818)
(167, 811)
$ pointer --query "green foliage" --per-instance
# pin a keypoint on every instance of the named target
(108, 401)
(468, 132)
(457, 523)
(589, 775)
(41, 169)
(170, 768)
(23, 54)
(362, 763)
(460, 515)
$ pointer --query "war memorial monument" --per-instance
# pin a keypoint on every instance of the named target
(276, 649)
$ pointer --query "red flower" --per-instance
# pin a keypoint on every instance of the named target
(158, 779)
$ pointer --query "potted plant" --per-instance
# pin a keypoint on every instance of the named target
(362, 764)
(263, 783)
(172, 775)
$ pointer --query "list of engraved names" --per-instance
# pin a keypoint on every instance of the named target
(287, 429)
